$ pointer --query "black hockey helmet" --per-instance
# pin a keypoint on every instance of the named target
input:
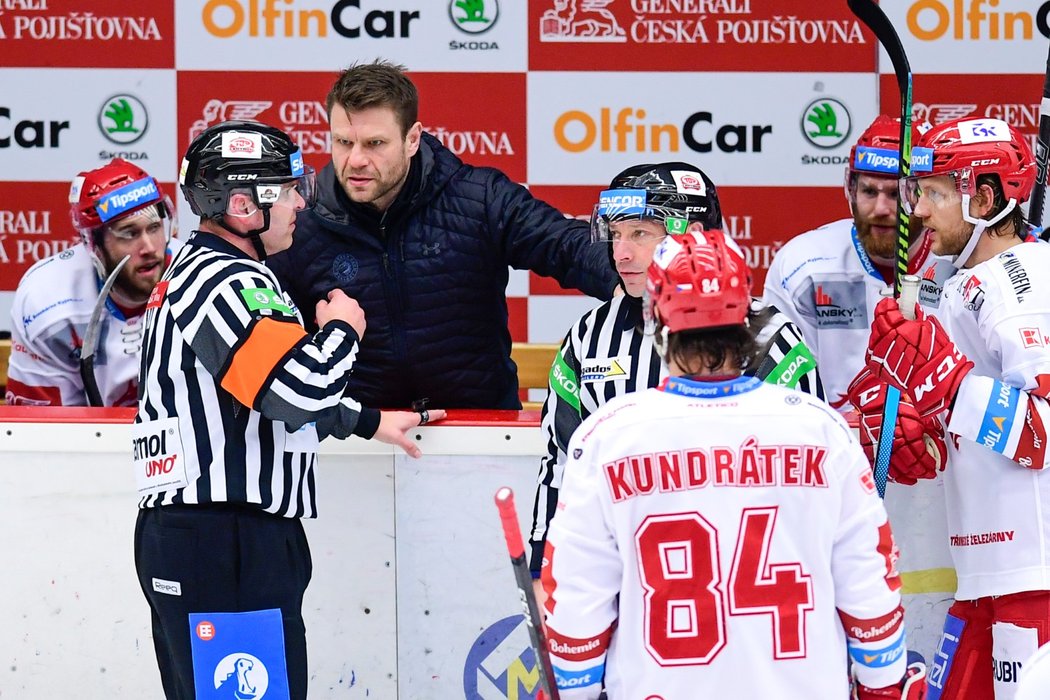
(675, 194)
(243, 156)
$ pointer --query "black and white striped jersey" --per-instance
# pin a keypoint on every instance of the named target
(605, 354)
(233, 393)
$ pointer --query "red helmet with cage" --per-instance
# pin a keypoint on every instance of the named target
(698, 280)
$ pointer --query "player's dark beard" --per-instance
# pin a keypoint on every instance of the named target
(877, 246)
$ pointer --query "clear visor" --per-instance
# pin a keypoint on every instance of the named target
(156, 220)
(664, 222)
(268, 194)
(938, 190)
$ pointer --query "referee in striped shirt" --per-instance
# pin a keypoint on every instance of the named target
(607, 353)
(233, 397)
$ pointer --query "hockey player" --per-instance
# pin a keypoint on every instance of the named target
(828, 280)
(118, 210)
(606, 353)
(980, 365)
(234, 396)
(719, 535)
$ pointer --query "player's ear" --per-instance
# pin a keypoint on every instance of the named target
(982, 201)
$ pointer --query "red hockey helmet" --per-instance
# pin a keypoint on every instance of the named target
(877, 149)
(967, 148)
(106, 194)
(876, 152)
(698, 280)
(964, 149)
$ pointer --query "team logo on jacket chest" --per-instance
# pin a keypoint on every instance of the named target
(345, 267)
(838, 304)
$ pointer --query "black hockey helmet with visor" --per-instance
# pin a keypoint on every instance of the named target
(243, 157)
(673, 194)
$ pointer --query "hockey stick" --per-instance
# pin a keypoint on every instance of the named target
(1042, 154)
(868, 12)
(508, 516)
(94, 328)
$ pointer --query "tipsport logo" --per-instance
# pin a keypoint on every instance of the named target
(501, 664)
(123, 119)
(126, 198)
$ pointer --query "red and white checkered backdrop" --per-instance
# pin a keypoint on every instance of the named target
(559, 94)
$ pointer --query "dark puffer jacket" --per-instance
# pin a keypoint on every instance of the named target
(431, 276)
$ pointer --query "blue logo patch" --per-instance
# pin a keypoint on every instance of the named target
(614, 203)
(296, 161)
(579, 679)
(998, 416)
(876, 160)
(126, 198)
(921, 160)
(239, 655)
(344, 267)
(942, 658)
(878, 658)
(501, 663)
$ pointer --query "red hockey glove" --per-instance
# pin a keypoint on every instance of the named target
(912, 687)
(919, 450)
(917, 357)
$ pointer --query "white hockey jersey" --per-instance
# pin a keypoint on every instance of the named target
(49, 318)
(724, 536)
(997, 484)
(824, 281)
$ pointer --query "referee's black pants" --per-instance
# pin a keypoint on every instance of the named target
(226, 559)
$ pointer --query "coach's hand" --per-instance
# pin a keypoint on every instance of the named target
(394, 426)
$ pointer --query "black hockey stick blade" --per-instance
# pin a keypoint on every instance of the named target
(1042, 154)
(868, 12)
(508, 516)
(873, 16)
(94, 328)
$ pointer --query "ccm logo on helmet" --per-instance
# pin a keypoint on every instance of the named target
(242, 176)
(985, 161)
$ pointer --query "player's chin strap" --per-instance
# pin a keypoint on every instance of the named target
(255, 234)
(979, 227)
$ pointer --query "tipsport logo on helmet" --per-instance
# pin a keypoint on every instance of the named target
(612, 203)
(884, 160)
(127, 198)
